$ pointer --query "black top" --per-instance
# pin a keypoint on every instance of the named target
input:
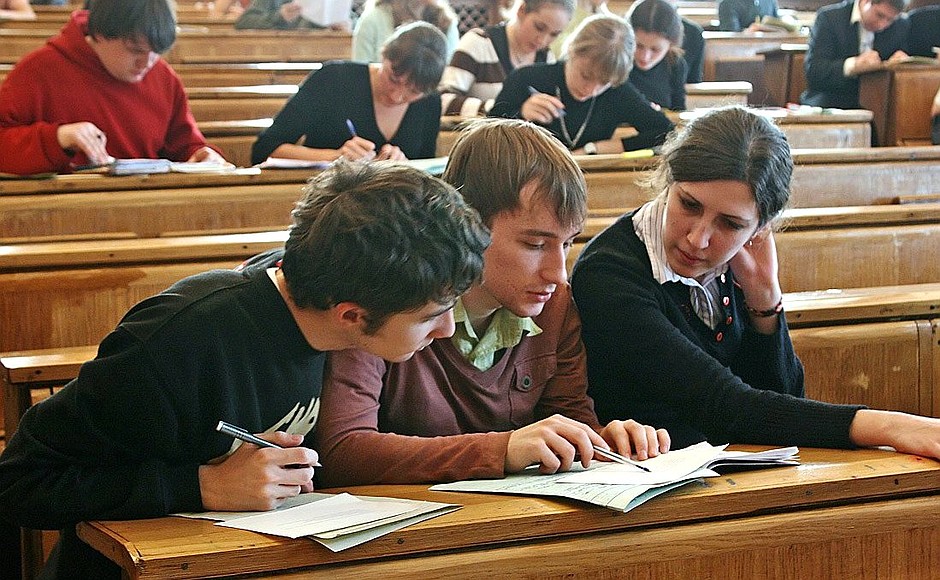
(125, 439)
(664, 84)
(341, 90)
(925, 31)
(651, 359)
(612, 108)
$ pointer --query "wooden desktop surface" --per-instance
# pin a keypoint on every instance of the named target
(845, 497)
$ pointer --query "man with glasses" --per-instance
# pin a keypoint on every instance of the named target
(97, 91)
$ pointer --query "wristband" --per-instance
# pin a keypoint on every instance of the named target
(777, 309)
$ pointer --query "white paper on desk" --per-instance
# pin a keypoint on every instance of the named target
(531, 482)
(320, 517)
(285, 163)
(679, 464)
(359, 537)
(202, 167)
(434, 165)
(326, 12)
(290, 502)
(353, 535)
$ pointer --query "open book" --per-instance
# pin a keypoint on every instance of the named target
(624, 487)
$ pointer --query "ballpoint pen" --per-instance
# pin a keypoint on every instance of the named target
(535, 91)
(243, 435)
(351, 127)
(617, 458)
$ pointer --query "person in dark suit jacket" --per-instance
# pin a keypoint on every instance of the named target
(836, 57)
(925, 30)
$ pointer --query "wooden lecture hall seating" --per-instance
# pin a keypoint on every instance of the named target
(858, 252)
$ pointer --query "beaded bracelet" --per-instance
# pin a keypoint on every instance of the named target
(766, 313)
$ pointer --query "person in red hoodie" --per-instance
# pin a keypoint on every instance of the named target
(98, 90)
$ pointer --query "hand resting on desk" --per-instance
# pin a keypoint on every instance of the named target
(555, 442)
(256, 479)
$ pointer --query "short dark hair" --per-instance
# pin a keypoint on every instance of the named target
(494, 159)
(734, 144)
(898, 5)
(417, 51)
(385, 236)
(153, 20)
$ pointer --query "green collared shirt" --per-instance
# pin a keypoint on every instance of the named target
(505, 331)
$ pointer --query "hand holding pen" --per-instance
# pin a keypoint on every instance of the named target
(357, 148)
(259, 476)
(541, 107)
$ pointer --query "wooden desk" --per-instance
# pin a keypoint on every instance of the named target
(748, 525)
(900, 96)
(215, 46)
(784, 77)
(737, 56)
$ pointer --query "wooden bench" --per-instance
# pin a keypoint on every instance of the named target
(868, 346)
(56, 294)
(223, 74)
(87, 206)
(218, 46)
(238, 102)
(821, 177)
(860, 250)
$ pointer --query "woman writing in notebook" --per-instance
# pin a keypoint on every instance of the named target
(682, 310)
(385, 110)
(485, 56)
(585, 97)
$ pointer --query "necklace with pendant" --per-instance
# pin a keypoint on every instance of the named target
(584, 124)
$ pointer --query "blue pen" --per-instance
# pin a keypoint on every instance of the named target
(534, 91)
(351, 127)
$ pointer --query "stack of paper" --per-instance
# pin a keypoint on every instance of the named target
(337, 521)
(624, 487)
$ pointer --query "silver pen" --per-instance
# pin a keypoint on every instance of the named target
(617, 458)
(243, 435)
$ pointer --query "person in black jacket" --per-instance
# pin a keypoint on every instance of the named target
(682, 312)
(847, 39)
(659, 69)
(585, 97)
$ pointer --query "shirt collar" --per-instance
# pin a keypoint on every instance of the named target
(856, 13)
(648, 222)
(505, 330)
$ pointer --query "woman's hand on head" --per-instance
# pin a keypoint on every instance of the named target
(755, 270)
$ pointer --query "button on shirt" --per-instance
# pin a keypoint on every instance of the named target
(506, 330)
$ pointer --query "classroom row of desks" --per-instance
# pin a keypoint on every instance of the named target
(899, 96)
